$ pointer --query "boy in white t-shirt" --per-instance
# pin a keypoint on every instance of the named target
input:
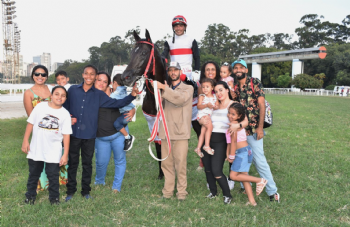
(50, 124)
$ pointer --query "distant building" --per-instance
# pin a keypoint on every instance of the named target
(37, 59)
(55, 66)
(21, 73)
(46, 60)
(30, 68)
(25, 68)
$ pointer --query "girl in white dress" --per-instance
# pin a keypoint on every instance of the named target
(206, 103)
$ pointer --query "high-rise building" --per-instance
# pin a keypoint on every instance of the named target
(55, 66)
(21, 73)
(37, 59)
(46, 60)
(25, 68)
(30, 68)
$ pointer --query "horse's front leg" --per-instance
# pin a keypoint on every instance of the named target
(159, 156)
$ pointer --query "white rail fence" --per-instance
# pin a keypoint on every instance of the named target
(309, 92)
(16, 92)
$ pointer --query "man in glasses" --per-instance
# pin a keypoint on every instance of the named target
(256, 116)
(183, 49)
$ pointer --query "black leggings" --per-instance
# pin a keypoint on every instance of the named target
(213, 164)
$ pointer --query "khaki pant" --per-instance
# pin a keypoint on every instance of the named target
(176, 162)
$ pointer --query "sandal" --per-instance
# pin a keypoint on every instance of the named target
(260, 186)
(200, 154)
(251, 204)
(208, 150)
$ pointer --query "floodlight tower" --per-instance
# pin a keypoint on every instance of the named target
(16, 50)
(8, 11)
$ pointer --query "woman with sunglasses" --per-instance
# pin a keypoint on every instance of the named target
(39, 92)
(36, 94)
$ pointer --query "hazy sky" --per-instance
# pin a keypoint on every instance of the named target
(67, 28)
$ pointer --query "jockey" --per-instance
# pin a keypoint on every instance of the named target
(182, 49)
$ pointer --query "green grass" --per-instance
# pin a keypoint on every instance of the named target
(307, 149)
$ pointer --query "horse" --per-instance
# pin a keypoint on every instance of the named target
(147, 61)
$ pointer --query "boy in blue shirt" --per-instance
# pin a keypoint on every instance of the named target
(119, 92)
(83, 103)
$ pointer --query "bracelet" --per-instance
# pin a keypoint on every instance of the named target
(240, 125)
(231, 157)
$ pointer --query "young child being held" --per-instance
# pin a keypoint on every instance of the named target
(50, 124)
(62, 79)
(206, 103)
(225, 74)
(119, 92)
(240, 153)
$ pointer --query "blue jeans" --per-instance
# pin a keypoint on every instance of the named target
(259, 160)
(121, 122)
(104, 147)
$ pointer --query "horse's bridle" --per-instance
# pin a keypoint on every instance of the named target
(151, 57)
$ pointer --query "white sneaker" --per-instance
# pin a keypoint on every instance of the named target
(231, 184)
(199, 168)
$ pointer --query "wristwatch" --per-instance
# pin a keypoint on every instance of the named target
(240, 125)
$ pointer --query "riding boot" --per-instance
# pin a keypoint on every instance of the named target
(159, 156)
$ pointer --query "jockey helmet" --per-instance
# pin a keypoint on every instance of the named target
(179, 20)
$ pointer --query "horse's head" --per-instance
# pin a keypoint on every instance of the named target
(140, 56)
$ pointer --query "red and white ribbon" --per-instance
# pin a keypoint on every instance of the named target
(160, 113)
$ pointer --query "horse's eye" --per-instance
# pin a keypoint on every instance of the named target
(143, 53)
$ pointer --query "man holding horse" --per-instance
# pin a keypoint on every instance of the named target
(177, 99)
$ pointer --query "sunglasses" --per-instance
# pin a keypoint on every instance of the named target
(178, 18)
(42, 74)
(226, 64)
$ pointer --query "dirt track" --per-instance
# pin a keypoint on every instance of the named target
(12, 110)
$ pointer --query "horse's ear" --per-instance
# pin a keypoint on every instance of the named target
(148, 37)
(136, 36)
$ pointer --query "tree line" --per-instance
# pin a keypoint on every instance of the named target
(220, 44)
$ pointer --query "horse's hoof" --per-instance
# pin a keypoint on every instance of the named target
(160, 177)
